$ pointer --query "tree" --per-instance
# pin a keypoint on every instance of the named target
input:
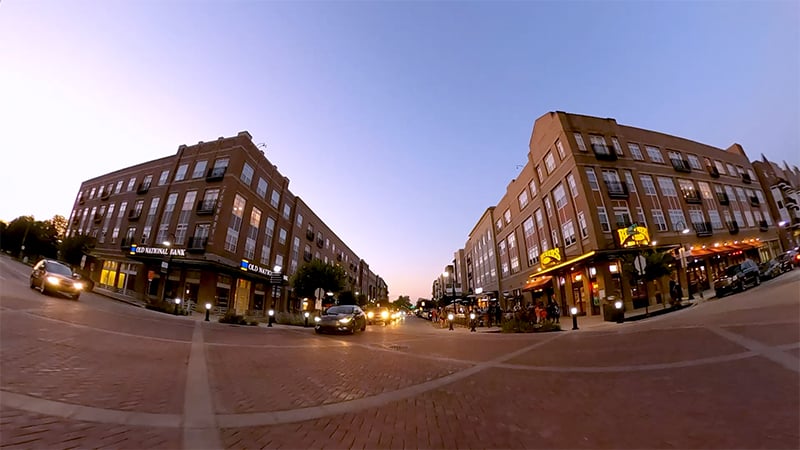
(347, 298)
(402, 301)
(362, 300)
(73, 248)
(316, 274)
(38, 238)
(60, 225)
(659, 264)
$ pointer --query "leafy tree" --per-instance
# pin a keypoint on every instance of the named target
(316, 274)
(362, 300)
(659, 264)
(60, 225)
(402, 301)
(347, 298)
(73, 248)
(39, 238)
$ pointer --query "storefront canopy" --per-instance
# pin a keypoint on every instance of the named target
(537, 283)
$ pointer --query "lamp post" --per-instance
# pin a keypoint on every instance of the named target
(306, 314)
(574, 312)
(682, 253)
(450, 318)
(271, 317)
(177, 303)
(620, 313)
(208, 310)
(165, 268)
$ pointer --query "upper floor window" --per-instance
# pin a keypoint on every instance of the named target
(592, 177)
(261, 189)
(617, 147)
(731, 170)
(276, 199)
(694, 162)
(180, 174)
(499, 224)
(532, 185)
(118, 189)
(162, 180)
(523, 199)
(579, 142)
(573, 188)
(507, 216)
(560, 148)
(539, 173)
(550, 162)
(636, 152)
(654, 154)
(720, 167)
(667, 187)
(131, 183)
(247, 174)
(287, 211)
(199, 169)
(299, 220)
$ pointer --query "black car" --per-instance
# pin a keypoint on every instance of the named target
(770, 269)
(737, 278)
(50, 275)
(344, 318)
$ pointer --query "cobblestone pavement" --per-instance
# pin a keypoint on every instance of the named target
(98, 373)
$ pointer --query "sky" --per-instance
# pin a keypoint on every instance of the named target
(397, 122)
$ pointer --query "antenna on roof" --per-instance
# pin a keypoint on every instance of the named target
(262, 146)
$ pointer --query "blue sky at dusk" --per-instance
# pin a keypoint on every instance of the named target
(397, 122)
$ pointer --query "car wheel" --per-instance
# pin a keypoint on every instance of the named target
(33, 285)
(758, 280)
(318, 331)
(76, 297)
(719, 294)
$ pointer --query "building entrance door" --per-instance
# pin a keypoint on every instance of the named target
(577, 297)
(242, 300)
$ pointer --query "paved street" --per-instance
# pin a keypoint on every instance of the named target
(99, 373)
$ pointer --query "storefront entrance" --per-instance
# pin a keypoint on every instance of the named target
(242, 300)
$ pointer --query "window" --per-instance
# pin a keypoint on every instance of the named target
(720, 167)
(647, 185)
(554, 234)
(532, 185)
(629, 181)
(184, 216)
(91, 193)
(731, 169)
(252, 234)
(592, 179)
(705, 190)
(279, 260)
(748, 216)
(523, 200)
(513, 253)
(499, 224)
(741, 195)
(269, 233)
(261, 189)
(677, 219)
(751, 174)
(654, 154)
(579, 141)
(667, 187)
(548, 206)
(146, 182)
(549, 162)
(287, 211)
(247, 174)
(151, 217)
(597, 141)
(276, 199)
(299, 222)
(622, 216)
(560, 196)
(539, 173)
(582, 225)
(601, 214)
(617, 147)
(131, 183)
(282, 237)
(539, 219)
(166, 217)
(560, 149)
(507, 216)
(235, 225)
(180, 174)
(118, 189)
(530, 241)
(568, 231)
(636, 152)
(573, 188)
(658, 220)
(694, 162)
(501, 251)
(199, 169)
(162, 180)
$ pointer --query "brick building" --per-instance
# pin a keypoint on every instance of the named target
(216, 222)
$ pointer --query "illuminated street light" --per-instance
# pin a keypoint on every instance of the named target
(306, 314)
(450, 318)
(271, 317)
(177, 302)
(574, 312)
(208, 310)
(472, 321)
(620, 314)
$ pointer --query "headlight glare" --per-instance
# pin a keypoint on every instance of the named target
(370, 314)
(345, 320)
(317, 318)
(78, 285)
(385, 314)
(52, 280)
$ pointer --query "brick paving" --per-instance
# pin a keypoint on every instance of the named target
(102, 374)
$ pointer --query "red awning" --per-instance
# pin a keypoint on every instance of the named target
(537, 283)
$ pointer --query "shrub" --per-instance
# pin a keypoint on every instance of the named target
(516, 325)
(233, 318)
(297, 319)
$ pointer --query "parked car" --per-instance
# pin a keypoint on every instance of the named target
(343, 318)
(49, 275)
(770, 269)
(737, 278)
(789, 259)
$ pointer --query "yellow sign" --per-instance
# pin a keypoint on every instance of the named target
(551, 257)
(633, 236)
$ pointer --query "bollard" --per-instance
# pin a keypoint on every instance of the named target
(271, 317)
(208, 310)
(306, 314)
(450, 319)
(574, 312)
(177, 302)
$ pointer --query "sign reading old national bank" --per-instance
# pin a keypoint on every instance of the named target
(162, 251)
(247, 266)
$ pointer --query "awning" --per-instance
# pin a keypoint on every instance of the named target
(567, 263)
(537, 283)
(700, 252)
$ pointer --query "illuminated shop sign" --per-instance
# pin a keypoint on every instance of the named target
(247, 266)
(162, 251)
(633, 236)
(551, 257)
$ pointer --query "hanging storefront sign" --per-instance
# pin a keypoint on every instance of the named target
(633, 236)
(551, 257)
(163, 251)
(247, 266)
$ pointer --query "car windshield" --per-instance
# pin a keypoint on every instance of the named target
(732, 270)
(54, 267)
(340, 310)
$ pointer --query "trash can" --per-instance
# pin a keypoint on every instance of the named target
(610, 311)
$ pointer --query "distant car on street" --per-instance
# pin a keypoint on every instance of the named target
(343, 318)
(380, 315)
(770, 269)
(737, 278)
(49, 275)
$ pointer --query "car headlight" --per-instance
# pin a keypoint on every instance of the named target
(317, 318)
(52, 280)
(370, 314)
(345, 320)
(734, 278)
(385, 314)
(78, 285)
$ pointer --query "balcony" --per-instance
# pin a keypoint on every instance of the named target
(733, 227)
(206, 207)
(746, 178)
(339, 257)
(713, 171)
(320, 243)
(723, 198)
(310, 235)
(81, 200)
(307, 256)
(754, 201)
(604, 152)
(125, 243)
(616, 189)
(692, 196)
(197, 244)
(143, 188)
(763, 226)
(98, 218)
(216, 173)
(703, 229)
(680, 165)
(790, 203)
(134, 214)
(106, 195)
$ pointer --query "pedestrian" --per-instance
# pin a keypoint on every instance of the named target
(490, 313)
(498, 314)
(553, 311)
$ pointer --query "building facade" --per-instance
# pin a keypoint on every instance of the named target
(595, 194)
(783, 187)
(216, 222)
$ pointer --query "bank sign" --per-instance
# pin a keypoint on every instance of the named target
(160, 251)
(633, 236)
(247, 266)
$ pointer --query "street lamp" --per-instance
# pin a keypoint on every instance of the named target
(682, 253)
(208, 310)
(177, 303)
(306, 314)
(620, 314)
(472, 321)
(450, 318)
(574, 312)
(271, 317)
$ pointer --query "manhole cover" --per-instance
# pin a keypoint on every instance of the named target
(398, 347)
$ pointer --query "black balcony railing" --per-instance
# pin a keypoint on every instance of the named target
(723, 198)
(616, 189)
(754, 201)
(746, 178)
(713, 171)
(105, 195)
(143, 188)
(680, 165)
(320, 243)
(206, 207)
(81, 200)
(604, 152)
(310, 235)
(692, 196)
(197, 244)
(762, 225)
(216, 173)
(134, 214)
(98, 218)
(703, 229)
(733, 227)
(789, 201)
(307, 256)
